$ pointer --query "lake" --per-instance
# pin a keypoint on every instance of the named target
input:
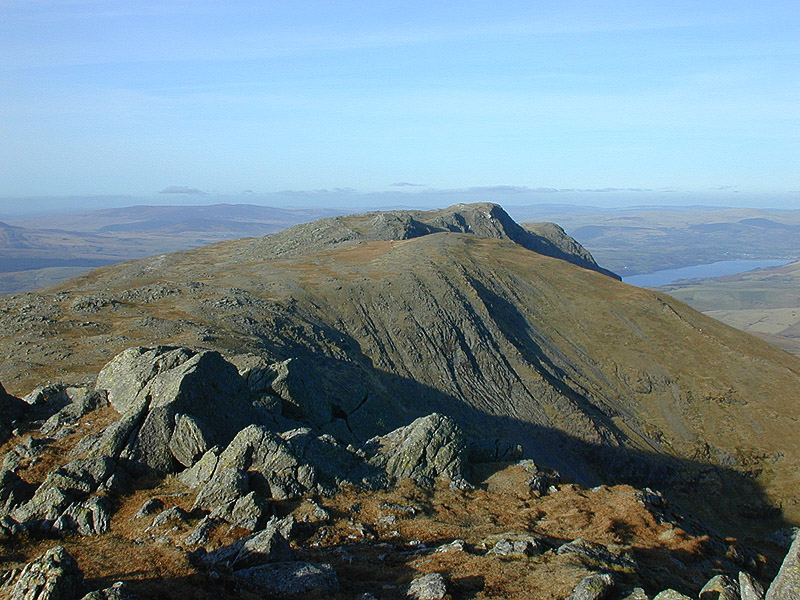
(717, 269)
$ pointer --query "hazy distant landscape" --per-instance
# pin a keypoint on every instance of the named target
(38, 251)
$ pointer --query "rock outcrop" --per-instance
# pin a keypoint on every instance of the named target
(53, 576)
(430, 447)
(786, 586)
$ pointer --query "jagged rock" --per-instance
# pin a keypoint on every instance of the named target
(53, 576)
(54, 395)
(290, 579)
(432, 586)
(202, 470)
(457, 545)
(150, 507)
(720, 587)
(13, 491)
(249, 512)
(11, 409)
(786, 585)
(515, 544)
(118, 591)
(594, 552)
(282, 466)
(90, 517)
(749, 588)
(188, 442)
(65, 485)
(177, 393)
(430, 447)
(200, 534)
(176, 513)
(117, 435)
(82, 402)
(497, 450)
(227, 485)
(266, 546)
(671, 595)
(593, 587)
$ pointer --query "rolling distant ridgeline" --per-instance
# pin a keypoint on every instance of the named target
(41, 251)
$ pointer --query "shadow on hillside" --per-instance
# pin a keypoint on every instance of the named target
(729, 500)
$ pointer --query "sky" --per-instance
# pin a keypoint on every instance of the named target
(588, 102)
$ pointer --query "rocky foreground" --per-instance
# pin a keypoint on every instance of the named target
(186, 473)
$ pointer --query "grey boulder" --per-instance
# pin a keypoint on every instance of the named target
(786, 585)
(593, 587)
(720, 587)
(430, 447)
(432, 586)
(290, 579)
(749, 588)
(53, 576)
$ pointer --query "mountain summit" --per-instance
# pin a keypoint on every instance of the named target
(370, 321)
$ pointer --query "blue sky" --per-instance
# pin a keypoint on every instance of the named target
(133, 98)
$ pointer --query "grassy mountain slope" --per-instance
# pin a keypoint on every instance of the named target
(592, 376)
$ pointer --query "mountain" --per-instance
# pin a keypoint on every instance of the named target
(44, 250)
(385, 317)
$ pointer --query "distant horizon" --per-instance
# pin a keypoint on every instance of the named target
(355, 201)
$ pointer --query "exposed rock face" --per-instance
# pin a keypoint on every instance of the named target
(53, 576)
(290, 579)
(68, 485)
(430, 447)
(671, 595)
(786, 585)
(593, 587)
(749, 588)
(82, 402)
(171, 400)
(720, 587)
(11, 409)
(432, 586)
(266, 546)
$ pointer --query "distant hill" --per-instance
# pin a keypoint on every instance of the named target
(44, 250)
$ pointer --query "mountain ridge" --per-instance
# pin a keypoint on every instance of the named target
(589, 374)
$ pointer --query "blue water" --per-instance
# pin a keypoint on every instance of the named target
(717, 269)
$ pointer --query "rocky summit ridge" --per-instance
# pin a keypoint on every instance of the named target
(358, 374)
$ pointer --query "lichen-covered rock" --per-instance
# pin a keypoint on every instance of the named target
(202, 470)
(13, 491)
(671, 595)
(175, 513)
(118, 591)
(786, 585)
(181, 392)
(595, 553)
(82, 402)
(53, 576)
(720, 587)
(749, 588)
(227, 485)
(290, 579)
(430, 447)
(90, 517)
(266, 546)
(69, 484)
(593, 587)
(636, 594)
(150, 507)
(248, 512)
(188, 441)
(432, 586)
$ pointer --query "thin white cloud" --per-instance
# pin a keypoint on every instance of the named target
(181, 189)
